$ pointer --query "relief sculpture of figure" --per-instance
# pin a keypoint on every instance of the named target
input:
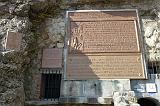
(77, 42)
(77, 38)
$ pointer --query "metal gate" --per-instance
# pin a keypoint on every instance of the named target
(154, 70)
(51, 84)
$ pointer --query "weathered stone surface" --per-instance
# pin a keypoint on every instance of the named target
(152, 40)
(93, 91)
(125, 98)
(72, 88)
(22, 9)
(11, 86)
(56, 29)
(60, 45)
(16, 24)
(12, 92)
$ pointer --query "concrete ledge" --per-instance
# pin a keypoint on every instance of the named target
(71, 100)
(74, 105)
(41, 102)
(98, 100)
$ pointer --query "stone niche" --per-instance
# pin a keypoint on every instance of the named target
(104, 44)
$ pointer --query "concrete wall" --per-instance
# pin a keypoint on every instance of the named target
(92, 91)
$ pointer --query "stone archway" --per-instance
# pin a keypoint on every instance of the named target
(148, 102)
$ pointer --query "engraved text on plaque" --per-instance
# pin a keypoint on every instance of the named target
(104, 45)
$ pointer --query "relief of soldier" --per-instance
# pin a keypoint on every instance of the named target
(77, 39)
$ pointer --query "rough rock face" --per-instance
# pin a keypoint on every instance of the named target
(56, 29)
(12, 92)
(41, 23)
(152, 39)
(13, 17)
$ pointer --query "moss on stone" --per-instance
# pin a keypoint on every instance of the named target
(37, 15)
(148, 13)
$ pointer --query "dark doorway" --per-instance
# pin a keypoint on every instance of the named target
(148, 102)
(51, 86)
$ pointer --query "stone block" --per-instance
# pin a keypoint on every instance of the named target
(93, 88)
(72, 89)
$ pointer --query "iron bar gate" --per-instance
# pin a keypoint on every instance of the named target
(154, 70)
(51, 83)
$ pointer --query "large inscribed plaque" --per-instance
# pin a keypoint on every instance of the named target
(104, 44)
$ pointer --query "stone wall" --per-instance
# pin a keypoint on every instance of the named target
(42, 25)
(13, 18)
(73, 90)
